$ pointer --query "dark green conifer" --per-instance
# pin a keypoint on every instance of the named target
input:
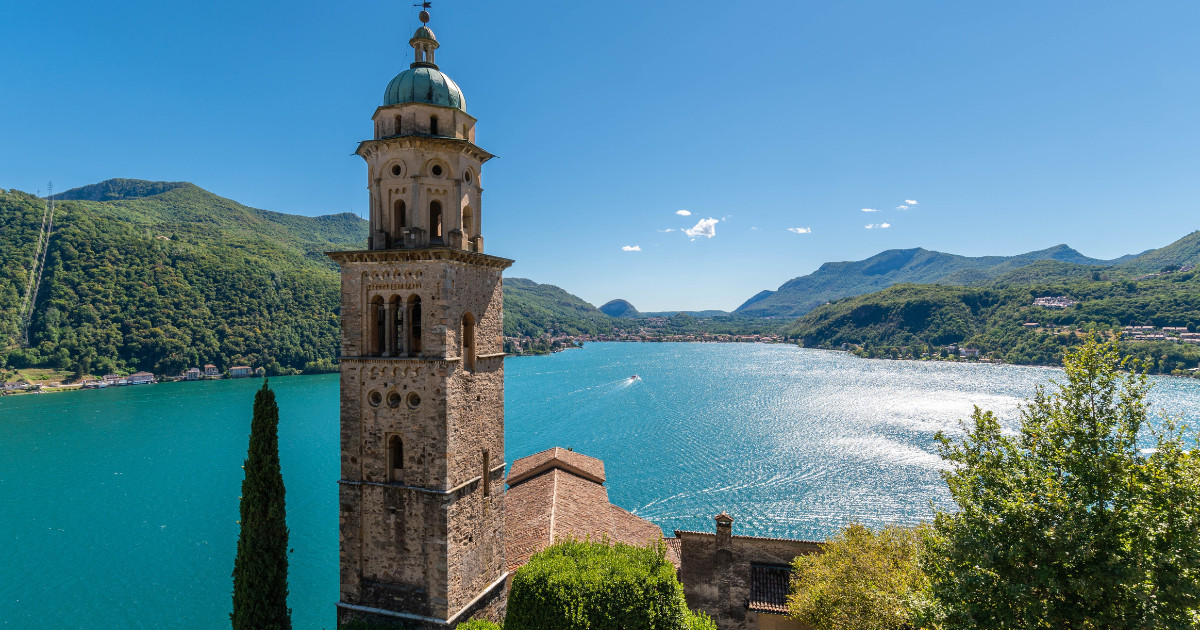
(260, 586)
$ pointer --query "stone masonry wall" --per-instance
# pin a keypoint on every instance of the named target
(716, 578)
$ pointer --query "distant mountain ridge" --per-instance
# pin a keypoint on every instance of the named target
(117, 189)
(835, 280)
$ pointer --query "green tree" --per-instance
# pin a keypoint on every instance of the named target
(478, 624)
(581, 585)
(1068, 524)
(862, 580)
(260, 585)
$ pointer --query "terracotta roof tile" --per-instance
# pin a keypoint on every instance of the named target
(578, 463)
(769, 585)
(555, 494)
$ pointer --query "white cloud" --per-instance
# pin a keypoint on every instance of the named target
(902, 207)
(666, 230)
(882, 226)
(632, 248)
(684, 213)
(753, 228)
(911, 202)
(705, 227)
(870, 209)
(799, 230)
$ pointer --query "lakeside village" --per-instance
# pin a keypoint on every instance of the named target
(209, 372)
(547, 343)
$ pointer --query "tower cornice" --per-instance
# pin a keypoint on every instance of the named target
(408, 141)
(415, 255)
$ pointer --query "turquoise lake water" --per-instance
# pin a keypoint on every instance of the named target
(120, 506)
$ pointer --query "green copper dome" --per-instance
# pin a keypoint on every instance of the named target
(424, 84)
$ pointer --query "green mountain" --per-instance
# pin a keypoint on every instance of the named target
(908, 319)
(531, 309)
(1183, 252)
(162, 276)
(837, 280)
(619, 308)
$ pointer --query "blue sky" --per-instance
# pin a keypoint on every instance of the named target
(1014, 126)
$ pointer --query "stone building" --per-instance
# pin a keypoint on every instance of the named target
(742, 581)
(422, 370)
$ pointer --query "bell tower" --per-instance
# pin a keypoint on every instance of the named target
(422, 369)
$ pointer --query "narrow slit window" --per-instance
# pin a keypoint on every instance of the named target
(487, 473)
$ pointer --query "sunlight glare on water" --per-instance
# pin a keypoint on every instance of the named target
(120, 506)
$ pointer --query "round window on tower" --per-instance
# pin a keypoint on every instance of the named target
(375, 398)
(467, 177)
(436, 170)
(413, 400)
(396, 170)
(394, 399)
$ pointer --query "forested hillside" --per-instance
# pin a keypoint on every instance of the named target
(908, 320)
(162, 276)
(531, 309)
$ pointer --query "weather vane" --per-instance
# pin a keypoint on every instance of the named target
(424, 15)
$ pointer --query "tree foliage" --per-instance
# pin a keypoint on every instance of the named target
(260, 570)
(1068, 524)
(478, 624)
(862, 580)
(580, 585)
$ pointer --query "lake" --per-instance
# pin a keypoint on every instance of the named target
(120, 506)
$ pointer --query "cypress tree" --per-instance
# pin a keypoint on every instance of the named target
(260, 586)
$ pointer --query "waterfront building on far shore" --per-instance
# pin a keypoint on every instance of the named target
(241, 371)
(211, 371)
(140, 378)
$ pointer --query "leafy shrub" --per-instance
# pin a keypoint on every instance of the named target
(581, 585)
(863, 579)
(478, 624)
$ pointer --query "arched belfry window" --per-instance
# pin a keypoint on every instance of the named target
(395, 459)
(395, 324)
(399, 221)
(379, 333)
(433, 126)
(435, 222)
(468, 222)
(468, 342)
(414, 325)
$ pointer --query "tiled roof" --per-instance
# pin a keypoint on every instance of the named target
(769, 585)
(555, 494)
(673, 550)
(577, 463)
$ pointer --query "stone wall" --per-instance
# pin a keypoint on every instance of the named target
(715, 571)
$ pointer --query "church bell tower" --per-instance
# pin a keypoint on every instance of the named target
(422, 369)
